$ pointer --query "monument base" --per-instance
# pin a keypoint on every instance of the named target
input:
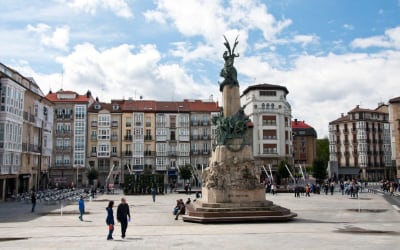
(232, 191)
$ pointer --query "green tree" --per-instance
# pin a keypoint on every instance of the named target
(185, 172)
(323, 150)
(92, 174)
(319, 170)
(282, 171)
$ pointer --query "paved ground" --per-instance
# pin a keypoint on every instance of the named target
(323, 222)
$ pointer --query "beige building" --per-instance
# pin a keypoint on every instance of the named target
(304, 143)
(394, 118)
(359, 144)
(149, 137)
(69, 137)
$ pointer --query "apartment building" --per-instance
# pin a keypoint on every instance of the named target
(149, 137)
(69, 136)
(359, 144)
(394, 120)
(304, 143)
(271, 115)
(25, 128)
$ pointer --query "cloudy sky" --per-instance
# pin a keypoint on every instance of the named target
(331, 55)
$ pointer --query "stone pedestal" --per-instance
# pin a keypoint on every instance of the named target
(230, 100)
(232, 191)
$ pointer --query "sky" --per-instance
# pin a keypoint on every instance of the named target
(331, 55)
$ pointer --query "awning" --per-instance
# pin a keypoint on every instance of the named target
(172, 173)
(349, 171)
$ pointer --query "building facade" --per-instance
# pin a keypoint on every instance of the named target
(69, 137)
(394, 119)
(148, 136)
(304, 143)
(359, 144)
(270, 112)
(25, 129)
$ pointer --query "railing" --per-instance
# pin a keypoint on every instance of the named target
(114, 124)
(147, 137)
(148, 153)
(93, 123)
(128, 137)
(128, 153)
(172, 153)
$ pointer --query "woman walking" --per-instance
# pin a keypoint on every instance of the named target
(110, 220)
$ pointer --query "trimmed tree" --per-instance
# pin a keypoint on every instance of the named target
(319, 170)
(185, 172)
(92, 174)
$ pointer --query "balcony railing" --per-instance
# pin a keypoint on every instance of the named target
(147, 137)
(114, 124)
(128, 153)
(93, 124)
(172, 153)
(114, 154)
(114, 138)
(128, 137)
(148, 153)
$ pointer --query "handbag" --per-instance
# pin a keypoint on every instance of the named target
(111, 227)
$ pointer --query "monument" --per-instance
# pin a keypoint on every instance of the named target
(231, 188)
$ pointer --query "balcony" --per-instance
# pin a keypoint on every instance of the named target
(206, 137)
(128, 153)
(195, 152)
(128, 137)
(148, 137)
(114, 138)
(148, 153)
(195, 123)
(93, 154)
(93, 123)
(204, 123)
(172, 125)
(138, 124)
(194, 137)
(138, 167)
(114, 124)
(93, 137)
(172, 153)
(206, 152)
(161, 168)
(114, 154)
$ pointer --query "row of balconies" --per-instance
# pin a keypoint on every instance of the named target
(148, 153)
(114, 124)
(63, 116)
(63, 148)
(28, 147)
(182, 124)
(63, 132)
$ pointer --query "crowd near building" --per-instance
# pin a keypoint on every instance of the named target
(54, 139)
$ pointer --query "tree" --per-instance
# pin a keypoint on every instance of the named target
(319, 170)
(323, 150)
(185, 172)
(92, 174)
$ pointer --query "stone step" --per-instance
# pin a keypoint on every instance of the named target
(233, 209)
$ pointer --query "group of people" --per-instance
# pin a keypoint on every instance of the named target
(123, 217)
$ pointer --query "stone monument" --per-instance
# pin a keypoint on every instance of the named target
(231, 188)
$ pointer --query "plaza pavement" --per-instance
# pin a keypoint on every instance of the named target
(323, 222)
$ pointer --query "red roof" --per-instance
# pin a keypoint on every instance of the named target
(300, 124)
(78, 98)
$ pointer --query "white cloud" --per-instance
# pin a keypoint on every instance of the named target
(118, 7)
(305, 39)
(211, 19)
(57, 38)
(391, 39)
(348, 26)
(121, 71)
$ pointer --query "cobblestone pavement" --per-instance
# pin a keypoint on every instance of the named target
(323, 222)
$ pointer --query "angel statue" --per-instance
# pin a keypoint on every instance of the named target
(229, 72)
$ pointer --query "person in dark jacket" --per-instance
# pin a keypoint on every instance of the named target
(81, 204)
(110, 220)
(123, 215)
(33, 199)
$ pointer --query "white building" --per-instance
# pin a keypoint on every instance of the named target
(271, 114)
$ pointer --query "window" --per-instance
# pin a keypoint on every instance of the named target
(267, 93)
(104, 134)
(104, 120)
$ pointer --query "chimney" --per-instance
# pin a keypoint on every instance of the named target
(295, 121)
(342, 114)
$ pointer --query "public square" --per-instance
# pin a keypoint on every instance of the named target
(323, 221)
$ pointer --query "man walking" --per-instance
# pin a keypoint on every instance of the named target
(33, 199)
(122, 216)
(81, 204)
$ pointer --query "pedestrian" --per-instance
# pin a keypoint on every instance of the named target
(332, 187)
(110, 220)
(187, 189)
(123, 216)
(307, 189)
(33, 199)
(273, 189)
(190, 189)
(181, 208)
(153, 193)
(81, 205)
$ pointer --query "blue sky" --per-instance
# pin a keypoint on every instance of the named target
(331, 55)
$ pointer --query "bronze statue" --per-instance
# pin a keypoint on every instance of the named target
(229, 72)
